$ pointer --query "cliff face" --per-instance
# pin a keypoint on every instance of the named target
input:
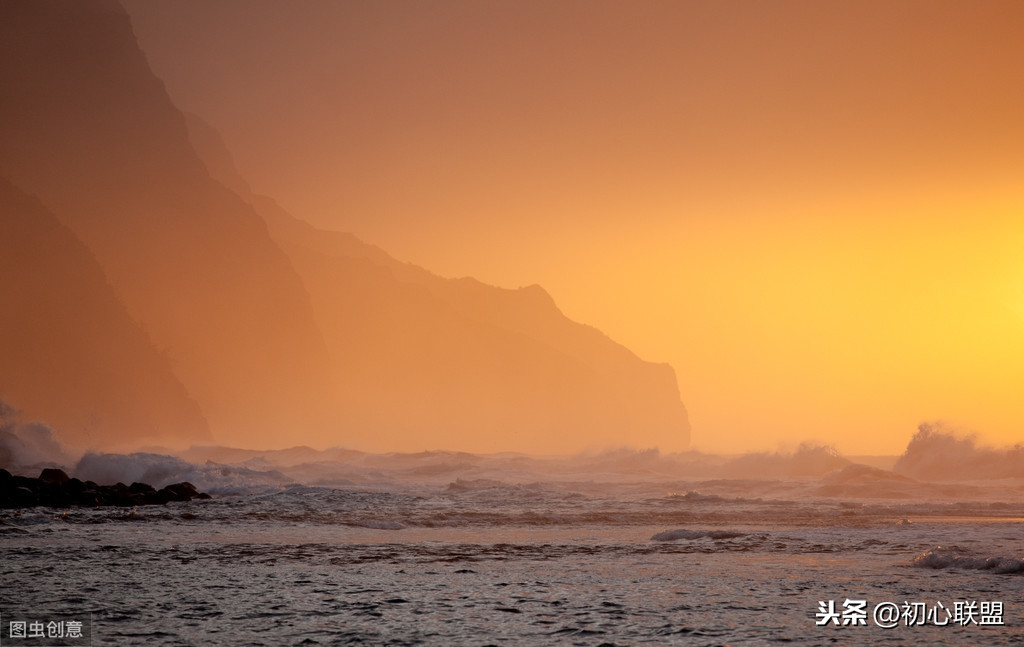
(468, 364)
(86, 127)
(281, 332)
(71, 354)
(462, 360)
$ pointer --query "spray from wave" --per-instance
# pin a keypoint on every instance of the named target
(933, 467)
(938, 452)
(160, 470)
(27, 446)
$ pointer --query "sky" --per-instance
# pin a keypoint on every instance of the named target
(813, 210)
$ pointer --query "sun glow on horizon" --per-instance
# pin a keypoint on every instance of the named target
(812, 212)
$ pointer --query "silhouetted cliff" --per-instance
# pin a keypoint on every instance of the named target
(71, 354)
(468, 364)
(87, 127)
(281, 332)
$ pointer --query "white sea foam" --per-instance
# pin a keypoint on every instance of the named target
(940, 558)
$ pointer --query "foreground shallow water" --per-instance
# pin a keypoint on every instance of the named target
(520, 565)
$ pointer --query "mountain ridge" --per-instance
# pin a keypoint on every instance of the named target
(641, 391)
(278, 330)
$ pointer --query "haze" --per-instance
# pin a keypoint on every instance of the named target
(813, 211)
(803, 219)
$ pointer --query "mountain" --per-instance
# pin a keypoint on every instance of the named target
(71, 354)
(282, 333)
(457, 359)
(87, 128)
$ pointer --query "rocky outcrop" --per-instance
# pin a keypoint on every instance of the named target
(55, 489)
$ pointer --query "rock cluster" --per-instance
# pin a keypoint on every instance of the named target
(54, 488)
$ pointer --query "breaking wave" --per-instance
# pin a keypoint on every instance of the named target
(938, 452)
(159, 470)
(954, 557)
(27, 446)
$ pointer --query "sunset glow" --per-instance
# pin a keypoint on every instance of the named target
(518, 322)
(812, 211)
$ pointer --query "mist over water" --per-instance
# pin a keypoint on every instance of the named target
(940, 462)
(306, 546)
(811, 212)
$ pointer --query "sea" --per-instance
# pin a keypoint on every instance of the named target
(454, 549)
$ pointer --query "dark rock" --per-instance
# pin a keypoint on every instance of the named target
(88, 498)
(52, 494)
(117, 494)
(24, 497)
(157, 497)
(183, 491)
(54, 475)
(141, 488)
(55, 489)
(174, 495)
(185, 485)
(25, 482)
(73, 486)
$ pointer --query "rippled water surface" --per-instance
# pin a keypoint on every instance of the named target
(473, 564)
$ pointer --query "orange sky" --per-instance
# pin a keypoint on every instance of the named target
(813, 210)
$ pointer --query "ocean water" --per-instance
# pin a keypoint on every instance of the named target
(573, 560)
